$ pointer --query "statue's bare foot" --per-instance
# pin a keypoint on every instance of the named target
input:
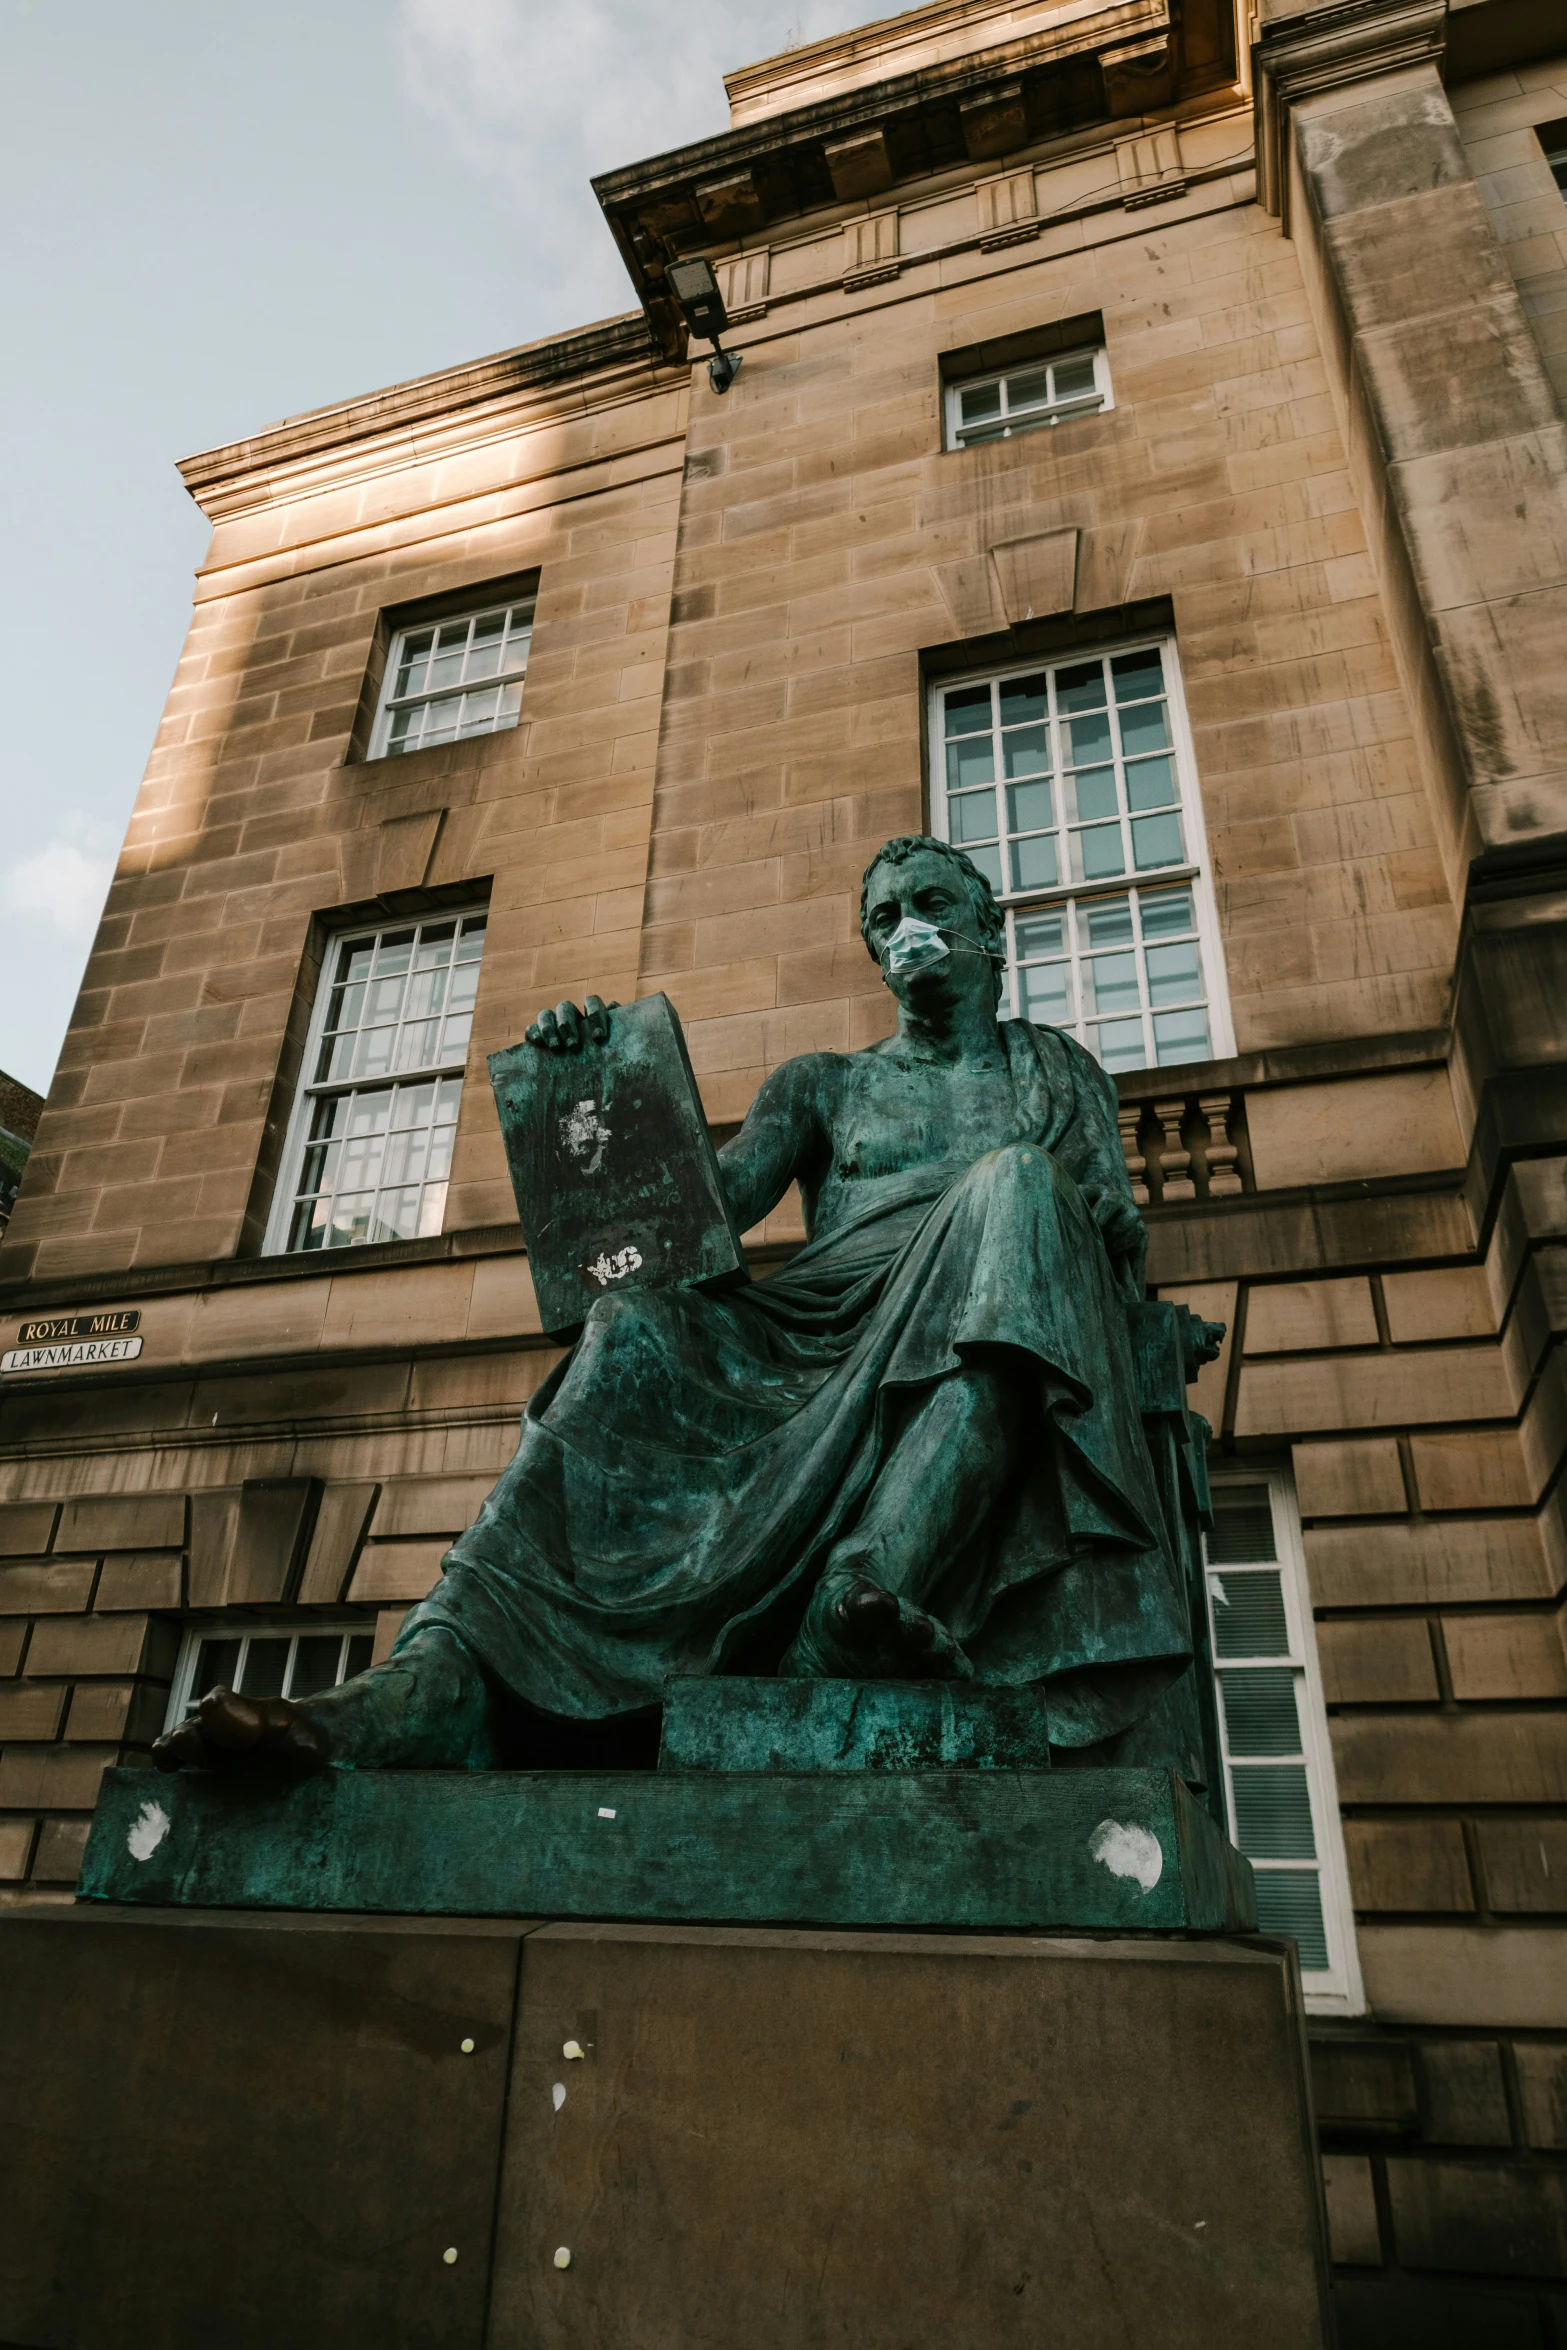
(857, 1629)
(228, 1730)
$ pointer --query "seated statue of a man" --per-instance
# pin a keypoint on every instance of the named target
(914, 1452)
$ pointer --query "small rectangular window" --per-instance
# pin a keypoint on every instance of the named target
(1278, 1763)
(1070, 785)
(370, 1144)
(1021, 399)
(449, 679)
(1553, 139)
(292, 1657)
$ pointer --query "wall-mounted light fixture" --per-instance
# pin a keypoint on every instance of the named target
(695, 288)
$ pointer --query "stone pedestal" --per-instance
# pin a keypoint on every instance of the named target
(1114, 1850)
(256, 2130)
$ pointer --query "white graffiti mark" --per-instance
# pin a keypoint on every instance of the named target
(606, 1269)
(147, 1831)
(581, 1130)
(1128, 1852)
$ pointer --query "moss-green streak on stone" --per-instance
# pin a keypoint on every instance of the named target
(978, 1850)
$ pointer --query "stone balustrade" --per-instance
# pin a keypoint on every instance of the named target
(1183, 1147)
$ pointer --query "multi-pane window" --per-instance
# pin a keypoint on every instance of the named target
(1277, 1762)
(1046, 391)
(1069, 784)
(268, 1660)
(449, 679)
(371, 1143)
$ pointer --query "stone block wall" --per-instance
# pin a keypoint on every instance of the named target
(1499, 120)
(259, 813)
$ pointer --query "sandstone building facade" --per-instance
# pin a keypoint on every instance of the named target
(1146, 467)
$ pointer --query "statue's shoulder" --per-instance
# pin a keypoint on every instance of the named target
(809, 1079)
(1066, 1062)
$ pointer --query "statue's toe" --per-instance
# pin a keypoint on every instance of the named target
(883, 1635)
(231, 1723)
(233, 1728)
(302, 1743)
(865, 1612)
(181, 1749)
(941, 1658)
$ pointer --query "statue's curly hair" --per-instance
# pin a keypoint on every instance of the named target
(989, 923)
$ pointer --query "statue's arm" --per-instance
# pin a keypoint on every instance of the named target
(1092, 1155)
(782, 1140)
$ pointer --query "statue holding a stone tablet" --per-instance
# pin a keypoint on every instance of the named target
(914, 1453)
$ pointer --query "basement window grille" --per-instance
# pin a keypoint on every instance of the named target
(278, 1659)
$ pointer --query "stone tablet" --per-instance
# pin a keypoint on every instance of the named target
(614, 1170)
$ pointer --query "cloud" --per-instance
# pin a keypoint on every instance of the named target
(62, 885)
(537, 95)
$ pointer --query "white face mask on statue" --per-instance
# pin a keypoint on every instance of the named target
(914, 946)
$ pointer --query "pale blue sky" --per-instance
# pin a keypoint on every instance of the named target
(215, 216)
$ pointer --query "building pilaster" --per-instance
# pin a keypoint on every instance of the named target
(1457, 450)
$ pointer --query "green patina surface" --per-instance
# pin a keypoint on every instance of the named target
(753, 1724)
(1118, 1850)
(616, 1179)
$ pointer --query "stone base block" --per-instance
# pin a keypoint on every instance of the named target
(344, 2133)
(1119, 1851)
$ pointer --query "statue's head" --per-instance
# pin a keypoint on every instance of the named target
(983, 927)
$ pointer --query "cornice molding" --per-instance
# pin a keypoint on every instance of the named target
(1330, 49)
(850, 110)
(1105, 64)
(570, 375)
(960, 27)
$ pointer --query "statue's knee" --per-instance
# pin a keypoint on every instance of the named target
(1025, 1162)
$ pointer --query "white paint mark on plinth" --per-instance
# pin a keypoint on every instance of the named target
(571, 2048)
(147, 1831)
(1128, 1852)
(558, 2095)
(562, 2257)
(450, 2256)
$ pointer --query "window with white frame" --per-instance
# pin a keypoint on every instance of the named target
(1553, 138)
(370, 1142)
(1021, 399)
(1070, 784)
(448, 679)
(285, 1658)
(1278, 1764)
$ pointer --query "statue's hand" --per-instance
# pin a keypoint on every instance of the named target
(566, 1030)
(1121, 1227)
(1124, 1234)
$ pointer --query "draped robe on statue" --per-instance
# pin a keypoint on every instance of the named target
(684, 1472)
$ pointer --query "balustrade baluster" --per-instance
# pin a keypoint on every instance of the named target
(1129, 1119)
(1175, 1160)
(1223, 1178)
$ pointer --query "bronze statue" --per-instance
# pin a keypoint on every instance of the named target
(913, 1453)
